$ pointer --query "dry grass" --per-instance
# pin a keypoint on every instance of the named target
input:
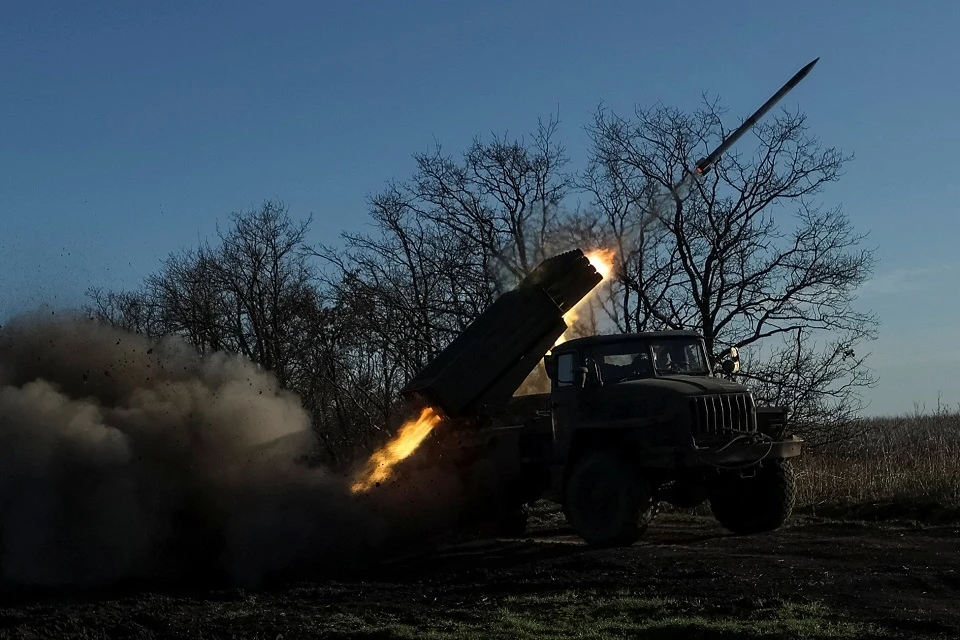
(907, 466)
(577, 613)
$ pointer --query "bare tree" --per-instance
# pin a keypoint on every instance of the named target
(350, 389)
(502, 197)
(408, 289)
(128, 310)
(254, 292)
(188, 300)
(263, 271)
(744, 255)
(447, 241)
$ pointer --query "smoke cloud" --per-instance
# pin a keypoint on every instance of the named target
(124, 458)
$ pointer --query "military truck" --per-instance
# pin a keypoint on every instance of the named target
(630, 420)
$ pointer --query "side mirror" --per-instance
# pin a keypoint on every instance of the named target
(550, 364)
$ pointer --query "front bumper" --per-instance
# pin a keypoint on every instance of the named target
(731, 453)
(746, 453)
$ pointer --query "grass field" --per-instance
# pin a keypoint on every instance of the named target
(595, 615)
(906, 466)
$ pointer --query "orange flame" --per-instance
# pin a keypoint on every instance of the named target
(602, 261)
(380, 465)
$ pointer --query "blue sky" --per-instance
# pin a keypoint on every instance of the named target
(128, 130)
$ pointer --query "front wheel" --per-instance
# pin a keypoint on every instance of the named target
(756, 504)
(607, 501)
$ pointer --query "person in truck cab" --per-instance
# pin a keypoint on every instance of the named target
(672, 357)
(638, 367)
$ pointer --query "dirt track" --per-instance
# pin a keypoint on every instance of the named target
(904, 580)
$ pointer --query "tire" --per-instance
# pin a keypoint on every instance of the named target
(757, 504)
(607, 501)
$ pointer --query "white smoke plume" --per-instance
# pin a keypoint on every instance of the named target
(121, 458)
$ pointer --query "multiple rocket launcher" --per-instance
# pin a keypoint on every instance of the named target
(483, 367)
(486, 363)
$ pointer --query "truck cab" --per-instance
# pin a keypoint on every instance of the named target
(650, 380)
(661, 383)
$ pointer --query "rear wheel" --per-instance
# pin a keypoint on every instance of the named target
(756, 504)
(607, 500)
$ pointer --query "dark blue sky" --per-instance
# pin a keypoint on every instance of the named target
(128, 130)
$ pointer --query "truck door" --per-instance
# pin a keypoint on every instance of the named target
(565, 404)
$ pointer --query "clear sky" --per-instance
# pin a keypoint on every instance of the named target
(129, 129)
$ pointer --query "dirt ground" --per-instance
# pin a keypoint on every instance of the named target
(687, 578)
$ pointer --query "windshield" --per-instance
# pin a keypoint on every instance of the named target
(646, 359)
